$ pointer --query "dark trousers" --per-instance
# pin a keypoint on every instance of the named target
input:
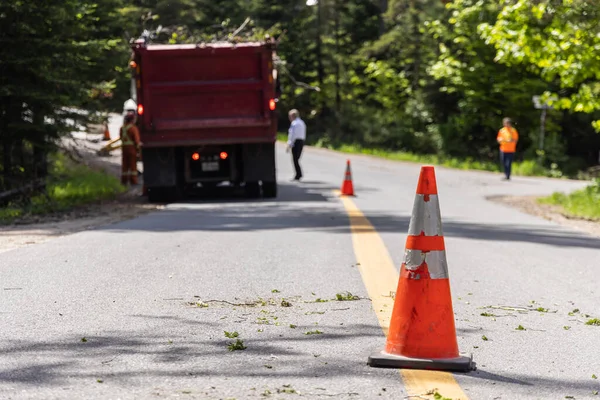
(296, 153)
(507, 160)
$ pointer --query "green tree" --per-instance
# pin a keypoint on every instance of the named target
(557, 39)
(51, 56)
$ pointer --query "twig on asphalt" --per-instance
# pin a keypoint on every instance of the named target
(253, 304)
(332, 395)
(509, 308)
(420, 396)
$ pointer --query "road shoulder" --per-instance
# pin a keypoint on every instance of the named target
(529, 205)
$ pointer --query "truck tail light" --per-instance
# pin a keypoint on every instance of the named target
(195, 156)
(272, 104)
(223, 155)
(140, 109)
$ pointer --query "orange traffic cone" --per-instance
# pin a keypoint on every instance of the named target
(347, 186)
(422, 333)
(106, 133)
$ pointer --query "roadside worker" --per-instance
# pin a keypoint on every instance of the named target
(507, 138)
(296, 138)
(130, 140)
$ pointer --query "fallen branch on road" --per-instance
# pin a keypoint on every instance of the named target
(253, 304)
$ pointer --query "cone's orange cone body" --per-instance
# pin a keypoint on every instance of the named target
(422, 334)
(347, 186)
(106, 132)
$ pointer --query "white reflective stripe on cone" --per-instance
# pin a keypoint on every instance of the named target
(426, 217)
(437, 265)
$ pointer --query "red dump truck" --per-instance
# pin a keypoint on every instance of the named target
(206, 115)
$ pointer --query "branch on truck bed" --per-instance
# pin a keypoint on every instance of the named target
(241, 28)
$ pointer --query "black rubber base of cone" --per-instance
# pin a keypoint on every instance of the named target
(381, 359)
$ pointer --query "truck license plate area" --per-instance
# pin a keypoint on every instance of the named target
(210, 166)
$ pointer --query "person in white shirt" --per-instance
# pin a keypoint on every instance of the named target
(296, 138)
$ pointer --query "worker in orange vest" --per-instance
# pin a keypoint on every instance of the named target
(507, 138)
(130, 140)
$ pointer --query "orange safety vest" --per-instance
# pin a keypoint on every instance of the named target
(125, 139)
(504, 135)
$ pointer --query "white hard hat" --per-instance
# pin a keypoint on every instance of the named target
(129, 106)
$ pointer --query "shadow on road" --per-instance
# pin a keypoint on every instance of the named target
(520, 233)
(297, 207)
(589, 386)
(304, 191)
(126, 356)
(135, 358)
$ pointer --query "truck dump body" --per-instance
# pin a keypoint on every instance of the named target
(206, 115)
(206, 94)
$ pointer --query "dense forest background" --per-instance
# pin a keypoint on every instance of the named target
(421, 76)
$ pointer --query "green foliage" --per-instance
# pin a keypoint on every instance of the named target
(315, 332)
(56, 55)
(529, 168)
(237, 345)
(69, 185)
(417, 81)
(583, 203)
(346, 296)
(557, 40)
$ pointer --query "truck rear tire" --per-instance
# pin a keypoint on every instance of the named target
(165, 194)
(157, 195)
(252, 190)
(269, 189)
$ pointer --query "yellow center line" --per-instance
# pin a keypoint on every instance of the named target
(381, 280)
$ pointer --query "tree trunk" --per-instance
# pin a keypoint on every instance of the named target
(417, 37)
(6, 160)
(320, 69)
(338, 99)
(40, 151)
(383, 5)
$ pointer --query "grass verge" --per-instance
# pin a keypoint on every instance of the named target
(69, 185)
(583, 203)
(525, 168)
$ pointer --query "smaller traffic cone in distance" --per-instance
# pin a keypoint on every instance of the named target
(422, 334)
(347, 186)
(106, 133)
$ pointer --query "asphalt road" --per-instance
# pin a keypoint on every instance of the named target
(139, 309)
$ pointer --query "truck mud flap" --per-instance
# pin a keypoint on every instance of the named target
(259, 162)
(160, 167)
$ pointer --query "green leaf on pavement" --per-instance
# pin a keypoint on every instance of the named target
(237, 345)
(346, 296)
